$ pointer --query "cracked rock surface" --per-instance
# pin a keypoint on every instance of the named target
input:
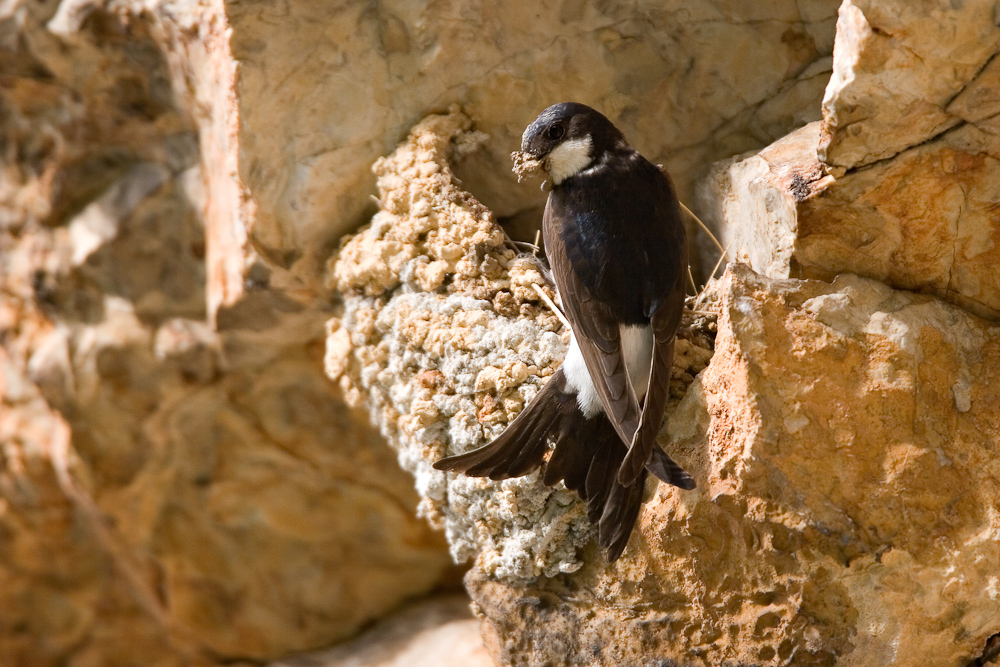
(905, 72)
(899, 182)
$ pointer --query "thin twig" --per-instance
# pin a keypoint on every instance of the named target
(715, 268)
(703, 228)
(515, 245)
(552, 305)
(721, 257)
(694, 285)
(723, 252)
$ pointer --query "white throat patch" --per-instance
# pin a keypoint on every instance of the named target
(569, 159)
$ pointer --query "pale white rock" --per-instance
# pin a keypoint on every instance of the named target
(439, 632)
(903, 72)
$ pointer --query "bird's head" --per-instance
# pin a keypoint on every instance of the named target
(567, 137)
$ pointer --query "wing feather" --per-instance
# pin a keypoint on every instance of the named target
(522, 445)
(596, 331)
(665, 321)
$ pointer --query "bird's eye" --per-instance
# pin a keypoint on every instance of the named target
(555, 132)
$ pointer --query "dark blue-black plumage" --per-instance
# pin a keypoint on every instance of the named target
(617, 247)
(618, 255)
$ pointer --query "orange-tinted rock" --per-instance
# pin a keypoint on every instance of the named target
(843, 443)
(927, 220)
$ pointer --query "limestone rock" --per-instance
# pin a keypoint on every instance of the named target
(439, 632)
(171, 492)
(904, 72)
(925, 220)
(846, 511)
(180, 485)
(326, 88)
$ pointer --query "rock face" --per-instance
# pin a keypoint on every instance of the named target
(173, 177)
(842, 444)
(905, 72)
(841, 437)
(181, 485)
(926, 220)
(171, 493)
(912, 82)
(325, 88)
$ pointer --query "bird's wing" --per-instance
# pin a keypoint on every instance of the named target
(523, 444)
(597, 334)
(665, 321)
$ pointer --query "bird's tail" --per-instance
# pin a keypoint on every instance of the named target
(586, 457)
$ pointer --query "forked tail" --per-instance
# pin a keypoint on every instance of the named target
(587, 456)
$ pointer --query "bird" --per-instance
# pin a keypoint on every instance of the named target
(617, 248)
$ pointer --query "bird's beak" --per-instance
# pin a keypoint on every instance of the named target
(533, 146)
(533, 151)
(527, 164)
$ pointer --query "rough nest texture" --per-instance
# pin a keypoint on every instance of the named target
(445, 338)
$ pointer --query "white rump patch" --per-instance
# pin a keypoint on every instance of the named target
(578, 379)
(568, 159)
(637, 348)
